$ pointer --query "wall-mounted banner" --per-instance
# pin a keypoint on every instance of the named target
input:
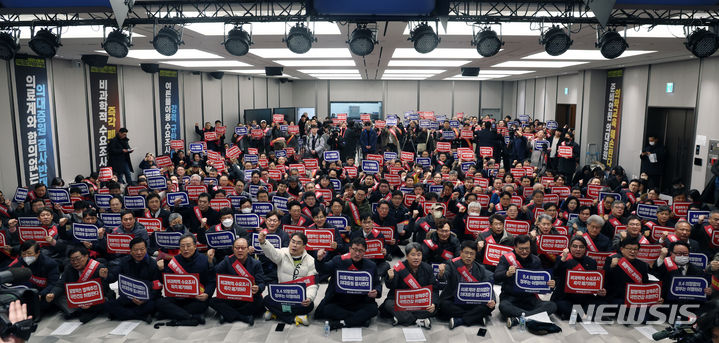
(612, 118)
(34, 121)
(104, 111)
(169, 109)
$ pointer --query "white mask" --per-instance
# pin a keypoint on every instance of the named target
(29, 259)
(437, 214)
(247, 210)
(681, 260)
(652, 143)
(227, 222)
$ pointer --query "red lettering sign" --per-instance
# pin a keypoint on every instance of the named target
(375, 157)
(364, 117)
(300, 168)
(486, 151)
(413, 299)
(444, 146)
(680, 208)
(492, 253)
(553, 244)
(600, 257)
(406, 156)
(380, 124)
(181, 285)
(517, 172)
(86, 293)
(351, 171)
(517, 200)
(210, 136)
(164, 161)
(233, 152)
(177, 144)
(562, 191)
(220, 130)
(483, 200)
(290, 229)
(118, 243)
(593, 191)
(386, 231)
(374, 249)
(293, 129)
(565, 151)
(311, 163)
(135, 190)
(659, 231)
(466, 134)
(325, 194)
(639, 294)
(482, 182)
(516, 227)
(649, 252)
(193, 192)
(275, 174)
(551, 198)
(218, 204)
(105, 174)
(409, 198)
(583, 282)
(475, 225)
(256, 134)
(150, 224)
(278, 118)
(319, 239)
(234, 287)
(35, 233)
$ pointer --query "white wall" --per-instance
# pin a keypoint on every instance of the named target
(73, 149)
(634, 113)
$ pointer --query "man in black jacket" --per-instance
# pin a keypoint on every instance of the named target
(138, 266)
(119, 156)
(624, 268)
(512, 301)
(239, 264)
(574, 258)
(464, 269)
(45, 274)
(653, 158)
(343, 309)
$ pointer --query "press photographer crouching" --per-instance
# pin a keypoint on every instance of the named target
(705, 329)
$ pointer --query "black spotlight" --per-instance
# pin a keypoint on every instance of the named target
(487, 42)
(556, 41)
(702, 43)
(44, 43)
(611, 44)
(300, 39)
(424, 38)
(362, 41)
(117, 44)
(8, 46)
(167, 41)
(238, 41)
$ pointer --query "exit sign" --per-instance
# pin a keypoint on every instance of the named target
(670, 87)
(566, 90)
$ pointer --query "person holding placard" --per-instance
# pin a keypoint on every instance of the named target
(633, 230)
(495, 235)
(294, 265)
(463, 270)
(227, 223)
(357, 205)
(677, 265)
(343, 307)
(80, 269)
(154, 209)
(596, 241)
(704, 230)
(368, 139)
(382, 218)
(575, 259)
(295, 216)
(568, 164)
(128, 226)
(199, 218)
(45, 274)
(55, 246)
(441, 244)
(369, 232)
(272, 226)
(140, 286)
(11, 249)
(240, 264)
(187, 311)
(543, 226)
(412, 273)
(513, 301)
(624, 268)
(682, 232)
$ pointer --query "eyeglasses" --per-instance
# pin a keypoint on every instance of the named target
(522, 249)
(631, 249)
(273, 220)
(76, 259)
(359, 251)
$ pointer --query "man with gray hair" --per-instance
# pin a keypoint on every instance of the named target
(596, 241)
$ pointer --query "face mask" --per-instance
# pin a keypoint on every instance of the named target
(178, 228)
(437, 214)
(246, 210)
(227, 222)
(29, 259)
(681, 260)
(652, 143)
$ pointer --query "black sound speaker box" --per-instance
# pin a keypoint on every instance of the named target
(273, 71)
(470, 71)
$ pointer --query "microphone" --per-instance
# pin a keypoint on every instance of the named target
(15, 275)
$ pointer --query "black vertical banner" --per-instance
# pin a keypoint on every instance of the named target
(169, 109)
(34, 119)
(612, 118)
(105, 111)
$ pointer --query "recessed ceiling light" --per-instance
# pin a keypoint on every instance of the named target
(313, 53)
(264, 29)
(590, 55)
(328, 77)
(316, 63)
(538, 64)
(328, 71)
(207, 64)
(245, 71)
(389, 77)
(659, 31)
(182, 54)
(426, 63)
(436, 53)
(413, 71)
(335, 75)
(504, 72)
(408, 75)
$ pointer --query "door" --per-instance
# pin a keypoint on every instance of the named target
(674, 128)
(566, 114)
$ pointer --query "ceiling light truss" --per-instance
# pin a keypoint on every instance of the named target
(179, 12)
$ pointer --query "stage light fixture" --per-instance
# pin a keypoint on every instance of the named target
(702, 42)
(424, 38)
(362, 41)
(238, 41)
(45, 43)
(487, 42)
(9, 45)
(556, 41)
(299, 39)
(167, 41)
(611, 44)
(117, 44)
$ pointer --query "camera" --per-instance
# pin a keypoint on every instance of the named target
(24, 328)
(682, 334)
